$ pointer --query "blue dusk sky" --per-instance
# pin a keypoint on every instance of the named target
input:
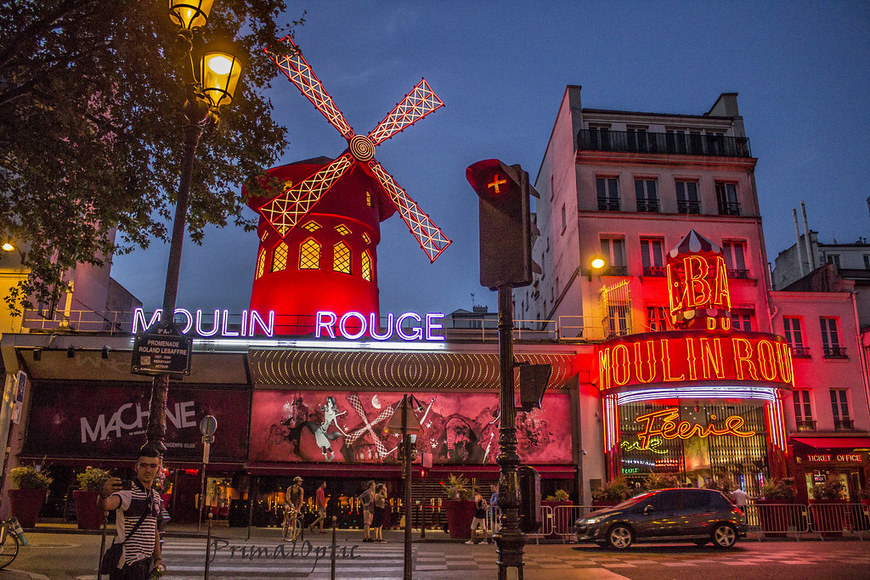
(802, 71)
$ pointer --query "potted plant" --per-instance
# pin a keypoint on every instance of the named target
(660, 481)
(611, 493)
(459, 507)
(89, 514)
(827, 518)
(31, 486)
(775, 511)
(562, 520)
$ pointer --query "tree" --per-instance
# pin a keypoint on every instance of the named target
(92, 129)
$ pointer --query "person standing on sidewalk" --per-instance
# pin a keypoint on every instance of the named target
(367, 499)
(740, 498)
(293, 499)
(137, 511)
(320, 506)
(380, 505)
(480, 507)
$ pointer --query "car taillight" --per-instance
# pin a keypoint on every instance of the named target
(739, 511)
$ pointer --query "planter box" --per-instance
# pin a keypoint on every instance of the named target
(25, 505)
(459, 516)
(562, 524)
(775, 517)
(828, 517)
(89, 515)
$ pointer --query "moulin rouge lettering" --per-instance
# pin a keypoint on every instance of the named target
(664, 424)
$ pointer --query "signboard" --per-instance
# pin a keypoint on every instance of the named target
(694, 356)
(162, 350)
(20, 384)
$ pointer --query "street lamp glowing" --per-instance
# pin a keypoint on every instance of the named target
(7, 247)
(190, 14)
(220, 70)
(597, 263)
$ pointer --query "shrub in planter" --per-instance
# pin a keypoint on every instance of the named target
(458, 507)
(776, 518)
(561, 496)
(831, 490)
(828, 518)
(31, 486)
(780, 491)
(611, 493)
(660, 481)
(89, 514)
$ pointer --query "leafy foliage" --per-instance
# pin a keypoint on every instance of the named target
(560, 495)
(831, 489)
(457, 487)
(30, 477)
(92, 478)
(92, 129)
(616, 490)
(660, 481)
(779, 490)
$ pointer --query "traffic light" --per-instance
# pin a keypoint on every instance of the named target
(533, 383)
(506, 227)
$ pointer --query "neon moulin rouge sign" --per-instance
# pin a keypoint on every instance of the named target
(694, 356)
(408, 326)
(665, 424)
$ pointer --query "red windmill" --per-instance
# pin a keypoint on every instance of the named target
(318, 237)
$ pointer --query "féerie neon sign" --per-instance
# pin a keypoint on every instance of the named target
(664, 424)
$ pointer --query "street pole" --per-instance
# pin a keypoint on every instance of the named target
(198, 118)
(509, 540)
(406, 467)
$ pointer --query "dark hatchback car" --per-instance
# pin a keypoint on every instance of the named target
(665, 515)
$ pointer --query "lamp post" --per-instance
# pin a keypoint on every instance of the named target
(219, 72)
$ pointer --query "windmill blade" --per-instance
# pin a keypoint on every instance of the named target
(300, 74)
(417, 104)
(288, 209)
(429, 236)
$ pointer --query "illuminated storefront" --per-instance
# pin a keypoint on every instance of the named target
(705, 401)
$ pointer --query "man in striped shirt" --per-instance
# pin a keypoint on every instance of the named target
(141, 540)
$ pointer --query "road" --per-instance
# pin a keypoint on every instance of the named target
(64, 556)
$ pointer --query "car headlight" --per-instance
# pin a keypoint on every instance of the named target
(593, 521)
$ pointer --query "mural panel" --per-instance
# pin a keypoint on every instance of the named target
(460, 428)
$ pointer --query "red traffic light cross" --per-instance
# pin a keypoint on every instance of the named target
(505, 223)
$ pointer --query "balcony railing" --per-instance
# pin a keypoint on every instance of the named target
(844, 424)
(615, 271)
(806, 425)
(738, 273)
(648, 205)
(835, 352)
(667, 143)
(608, 204)
(654, 271)
(729, 208)
(800, 352)
(688, 206)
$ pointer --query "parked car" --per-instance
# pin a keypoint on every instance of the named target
(664, 515)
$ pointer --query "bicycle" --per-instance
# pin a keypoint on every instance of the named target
(9, 541)
(292, 515)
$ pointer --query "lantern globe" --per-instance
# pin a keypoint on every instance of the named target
(597, 263)
(219, 71)
(190, 14)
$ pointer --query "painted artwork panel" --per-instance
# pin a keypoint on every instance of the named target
(348, 427)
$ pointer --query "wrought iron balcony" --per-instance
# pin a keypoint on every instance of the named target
(800, 352)
(608, 204)
(654, 271)
(615, 271)
(668, 143)
(835, 352)
(738, 273)
(844, 424)
(688, 206)
(806, 425)
(729, 208)
(648, 205)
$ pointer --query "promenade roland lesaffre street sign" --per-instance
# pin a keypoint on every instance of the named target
(162, 349)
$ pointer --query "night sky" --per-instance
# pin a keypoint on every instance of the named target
(802, 71)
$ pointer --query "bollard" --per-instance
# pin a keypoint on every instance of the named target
(207, 546)
(332, 557)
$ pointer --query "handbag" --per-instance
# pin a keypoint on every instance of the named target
(112, 556)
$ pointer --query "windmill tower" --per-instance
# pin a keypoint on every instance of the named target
(319, 236)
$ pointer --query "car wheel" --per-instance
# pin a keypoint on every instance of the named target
(619, 537)
(724, 535)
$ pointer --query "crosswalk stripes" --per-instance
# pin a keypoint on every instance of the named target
(236, 558)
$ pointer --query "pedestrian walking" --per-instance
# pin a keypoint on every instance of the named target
(380, 504)
(480, 507)
(320, 506)
(293, 498)
(367, 498)
(493, 510)
(137, 508)
(740, 498)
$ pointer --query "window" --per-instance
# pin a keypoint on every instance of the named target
(369, 198)
(309, 255)
(687, 197)
(617, 320)
(608, 193)
(840, 408)
(279, 258)
(564, 219)
(741, 321)
(261, 264)
(794, 336)
(652, 254)
(552, 189)
(803, 411)
(311, 226)
(833, 259)
(831, 338)
(735, 260)
(657, 318)
(613, 250)
(599, 138)
(366, 266)
(341, 258)
(726, 196)
(647, 195)
(675, 140)
(342, 229)
(637, 139)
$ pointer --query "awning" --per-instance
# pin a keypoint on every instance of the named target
(834, 442)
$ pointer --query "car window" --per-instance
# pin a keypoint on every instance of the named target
(666, 500)
(696, 500)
